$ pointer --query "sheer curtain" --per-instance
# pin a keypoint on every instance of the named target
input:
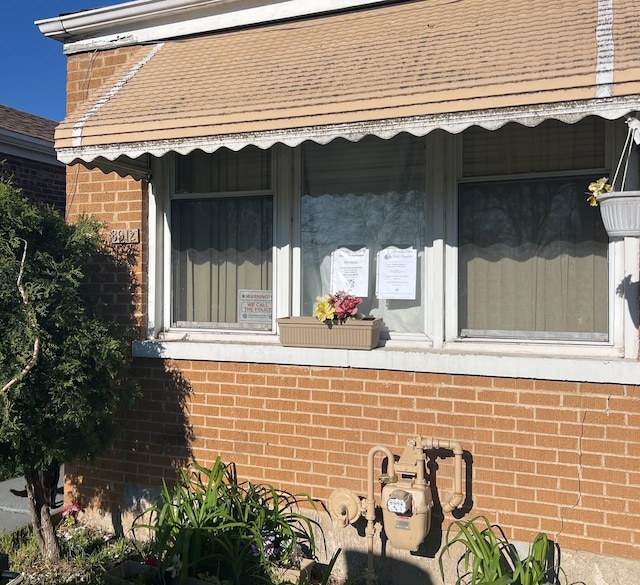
(223, 245)
(222, 238)
(368, 194)
(532, 253)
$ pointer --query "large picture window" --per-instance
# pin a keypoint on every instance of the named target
(369, 196)
(532, 261)
(509, 250)
(532, 254)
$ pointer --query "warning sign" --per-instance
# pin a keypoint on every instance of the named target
(255, 306)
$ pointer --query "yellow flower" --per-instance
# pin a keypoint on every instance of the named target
(323, 309)
(598, 188)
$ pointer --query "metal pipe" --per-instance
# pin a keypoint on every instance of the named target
(421, 458)
(371, 503)
(419, 445)
(454, 501)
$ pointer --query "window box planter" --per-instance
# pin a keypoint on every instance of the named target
(309, 332)
(620, 212)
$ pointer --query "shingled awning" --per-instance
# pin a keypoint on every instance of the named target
(410, 66)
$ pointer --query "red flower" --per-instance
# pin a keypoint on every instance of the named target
(345, 305)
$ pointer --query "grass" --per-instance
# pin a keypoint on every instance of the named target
(85, 555)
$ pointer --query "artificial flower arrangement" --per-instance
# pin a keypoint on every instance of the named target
(339, 306)
(597, 188)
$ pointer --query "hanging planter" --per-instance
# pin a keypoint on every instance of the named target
(620, 212)
(620, 209)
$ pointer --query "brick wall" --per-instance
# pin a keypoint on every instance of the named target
(39, 181)
(117, 203)
(539, 456)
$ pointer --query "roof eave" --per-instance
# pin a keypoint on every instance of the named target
(154, 20)
(28, 147)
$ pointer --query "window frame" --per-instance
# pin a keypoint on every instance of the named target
(161, 194)
(620, 254)
(354, 191)
(580, 177)
(183, 325)
(440, 340)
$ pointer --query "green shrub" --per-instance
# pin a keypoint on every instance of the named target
(85, 554)
(210, 524)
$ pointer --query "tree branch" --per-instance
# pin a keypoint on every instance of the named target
(32, 322)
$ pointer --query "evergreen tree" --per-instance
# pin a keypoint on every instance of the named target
(63, 367)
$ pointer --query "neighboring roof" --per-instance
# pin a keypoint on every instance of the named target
(27, 136)
(27, 124)
(407, 66)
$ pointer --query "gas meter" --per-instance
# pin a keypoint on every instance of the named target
(406, 496)
(406, 511)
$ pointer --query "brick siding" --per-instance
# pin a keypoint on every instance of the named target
(39, 181)
(539, 456)
(118, 203)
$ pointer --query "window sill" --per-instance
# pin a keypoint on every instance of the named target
(574, 363)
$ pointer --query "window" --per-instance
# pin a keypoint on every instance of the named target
(364, 196)
(532, 255)
(506, 251)
(222, 241)
(532, 261)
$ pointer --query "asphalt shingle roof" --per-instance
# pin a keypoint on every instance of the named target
(28, 124)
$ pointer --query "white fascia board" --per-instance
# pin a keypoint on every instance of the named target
(28, 147)
(143, 21)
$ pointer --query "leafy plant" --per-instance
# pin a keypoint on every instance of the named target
(209, 523)
(490, 559)
(327, 575)
(84, 555)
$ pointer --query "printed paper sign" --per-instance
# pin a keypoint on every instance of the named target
(350, 271)
(396, 273)
(255, 306)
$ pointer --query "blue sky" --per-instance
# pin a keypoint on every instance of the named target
(33, 71)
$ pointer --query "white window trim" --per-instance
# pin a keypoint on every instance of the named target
(440, 350)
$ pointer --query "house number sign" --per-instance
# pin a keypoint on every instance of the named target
(124, 236)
